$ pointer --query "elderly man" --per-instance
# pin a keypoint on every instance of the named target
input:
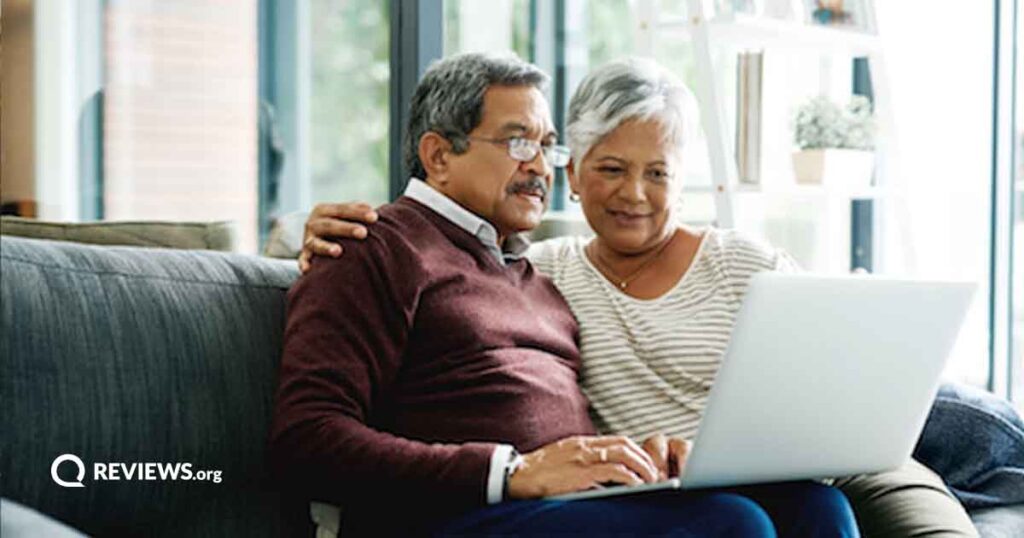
(417, 364)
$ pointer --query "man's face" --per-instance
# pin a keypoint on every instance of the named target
(510, 194)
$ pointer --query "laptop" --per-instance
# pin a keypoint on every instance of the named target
(823, 377)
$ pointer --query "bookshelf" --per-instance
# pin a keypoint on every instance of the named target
(781, 29)
(868, 193)
(761, 32)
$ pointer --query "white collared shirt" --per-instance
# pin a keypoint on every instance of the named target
(515, 245)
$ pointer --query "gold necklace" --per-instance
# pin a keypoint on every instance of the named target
(623, 283)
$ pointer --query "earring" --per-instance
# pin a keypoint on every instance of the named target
(573, 197)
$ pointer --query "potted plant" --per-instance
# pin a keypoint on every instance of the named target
(836, 145)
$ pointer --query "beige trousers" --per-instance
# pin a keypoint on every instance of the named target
(908, 502)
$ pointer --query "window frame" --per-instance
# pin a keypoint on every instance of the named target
(1006, 81)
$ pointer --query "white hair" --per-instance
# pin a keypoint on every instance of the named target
(629, 89)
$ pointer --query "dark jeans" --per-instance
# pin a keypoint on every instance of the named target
(797, 509)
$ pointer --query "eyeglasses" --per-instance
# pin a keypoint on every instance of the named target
(525, 150)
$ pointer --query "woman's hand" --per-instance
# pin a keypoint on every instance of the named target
(581, 463)
(333, 220)
(669, 454)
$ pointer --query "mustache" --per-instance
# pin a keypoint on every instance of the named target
(530, 185)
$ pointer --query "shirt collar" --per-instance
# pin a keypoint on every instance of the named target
(515, 245)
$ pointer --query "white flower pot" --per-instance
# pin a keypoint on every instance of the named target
(848, 168)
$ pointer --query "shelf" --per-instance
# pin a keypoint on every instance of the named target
(767, 33)
(869, 193)
(710, 36)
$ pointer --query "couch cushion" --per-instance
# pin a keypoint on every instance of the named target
(119, 354)
(975, 440)
(193, 235)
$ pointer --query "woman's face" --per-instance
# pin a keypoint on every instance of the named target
(626, 185)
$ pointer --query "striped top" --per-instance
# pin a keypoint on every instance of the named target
(648, 365)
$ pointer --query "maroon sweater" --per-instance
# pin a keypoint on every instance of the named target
(406, 359)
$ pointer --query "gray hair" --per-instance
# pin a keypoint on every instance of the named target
(631, 88)
(449, 100)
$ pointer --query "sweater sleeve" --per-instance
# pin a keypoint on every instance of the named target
(348, 324)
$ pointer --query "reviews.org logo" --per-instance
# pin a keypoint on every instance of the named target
(138, 471)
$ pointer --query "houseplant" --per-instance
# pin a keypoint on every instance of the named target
(836, 145)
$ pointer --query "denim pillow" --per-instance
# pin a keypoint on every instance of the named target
(975, 441)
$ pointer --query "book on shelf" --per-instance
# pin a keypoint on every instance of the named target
(750, 68)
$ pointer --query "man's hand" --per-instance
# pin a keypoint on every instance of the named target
(669, 454)
(333, 220)
(580, 463)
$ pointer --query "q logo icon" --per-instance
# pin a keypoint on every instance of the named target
(81, 471)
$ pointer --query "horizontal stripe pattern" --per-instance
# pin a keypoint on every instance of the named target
(648, 365)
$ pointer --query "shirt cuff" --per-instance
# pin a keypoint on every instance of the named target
(500, 459)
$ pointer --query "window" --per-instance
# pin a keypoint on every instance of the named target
(348, 116)
(179, 114)
(1017, 234)
(609, 31)
(943, 217)
(495, 26)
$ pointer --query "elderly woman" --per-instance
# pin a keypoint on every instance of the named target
(656, 300)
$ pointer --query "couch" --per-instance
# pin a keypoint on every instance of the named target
(127, 354)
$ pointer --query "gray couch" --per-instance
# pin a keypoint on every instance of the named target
(126, 354)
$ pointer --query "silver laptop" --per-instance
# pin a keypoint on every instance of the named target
(823, 377)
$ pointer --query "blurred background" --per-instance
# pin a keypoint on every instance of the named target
(250, 110)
